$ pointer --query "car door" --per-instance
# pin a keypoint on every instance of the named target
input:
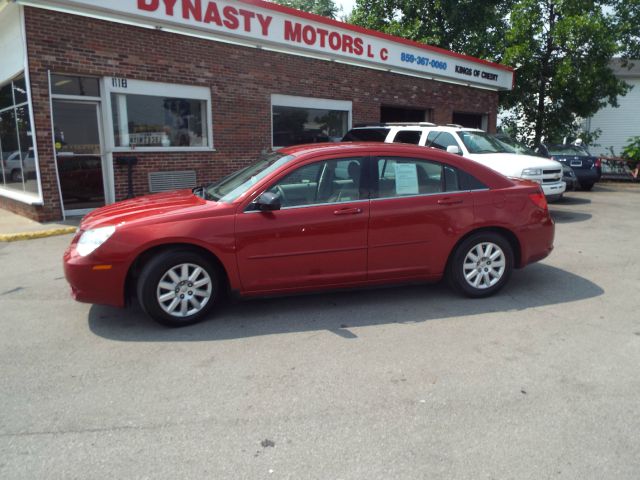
(417, 214)
(318, 237)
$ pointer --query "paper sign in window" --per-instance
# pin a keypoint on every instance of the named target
(406, 179)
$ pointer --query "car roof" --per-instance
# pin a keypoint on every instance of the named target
(418, 126)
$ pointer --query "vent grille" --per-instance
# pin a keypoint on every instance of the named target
(166, 181)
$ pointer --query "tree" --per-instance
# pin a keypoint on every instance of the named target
(467, 26)
(326, 8)
(561, 51)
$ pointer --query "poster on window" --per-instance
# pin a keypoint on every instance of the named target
(406, 179)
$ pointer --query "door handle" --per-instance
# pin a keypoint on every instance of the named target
(449, 201)
(348, 211)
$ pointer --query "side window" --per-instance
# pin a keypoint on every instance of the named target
(330, 181)
(469, 182)
(441, 140)
(408, 136)
(399, 177)
(451, 180)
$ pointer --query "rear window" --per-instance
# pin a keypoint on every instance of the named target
(568, 150)
(408, 136)
(378, 134)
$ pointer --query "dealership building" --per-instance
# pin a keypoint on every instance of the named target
(102, 100)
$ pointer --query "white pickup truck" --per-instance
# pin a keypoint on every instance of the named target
(471, 143)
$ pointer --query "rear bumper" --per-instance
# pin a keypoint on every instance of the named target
(92, 281)
(537, 241)
(586, 176)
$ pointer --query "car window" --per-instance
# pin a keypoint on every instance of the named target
(399, 177)
(568, 150)
(329, 181)
(408, 136)
(481, 142)
(469, 182)
(367, 135)
(441, 140)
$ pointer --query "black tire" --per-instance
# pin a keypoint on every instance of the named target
(587, 187)
(157, 270)
(456, 268)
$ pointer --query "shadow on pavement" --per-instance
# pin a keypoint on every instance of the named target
(536, 286)
(571, 200)
(564, 216)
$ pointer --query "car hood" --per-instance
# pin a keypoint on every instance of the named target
(145, 207)
(511, 164)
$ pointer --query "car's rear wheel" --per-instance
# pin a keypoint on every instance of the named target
(481, 264)
(178, 287)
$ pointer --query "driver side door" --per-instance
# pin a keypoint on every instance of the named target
(319, 236)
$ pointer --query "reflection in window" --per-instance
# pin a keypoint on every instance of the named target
(295, 126)
(71, 85)
(18, 165)
(150, 121)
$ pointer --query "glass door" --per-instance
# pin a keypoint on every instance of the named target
(79, 155)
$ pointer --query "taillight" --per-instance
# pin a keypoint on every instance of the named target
(598, 162)
(539, 200)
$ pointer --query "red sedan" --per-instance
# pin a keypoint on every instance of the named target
(308, 218)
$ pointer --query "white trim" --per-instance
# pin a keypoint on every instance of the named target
(24, 197)
(310, 102)
(30, 198)
(53, 146)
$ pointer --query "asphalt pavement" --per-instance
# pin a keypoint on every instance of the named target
(539, 381)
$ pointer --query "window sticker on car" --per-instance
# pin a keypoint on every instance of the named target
(406, 179)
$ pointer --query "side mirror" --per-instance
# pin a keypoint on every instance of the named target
(268, 202)
(453, 149)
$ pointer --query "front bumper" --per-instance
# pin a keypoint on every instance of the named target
(93, 281)
(553, 190)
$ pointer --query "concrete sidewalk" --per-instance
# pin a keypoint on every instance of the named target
(15, 227)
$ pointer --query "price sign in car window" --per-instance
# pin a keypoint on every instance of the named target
(406, 179)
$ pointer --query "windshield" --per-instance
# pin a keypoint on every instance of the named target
(568, 150)
(231, 187)
(481, 142)
(519, 148)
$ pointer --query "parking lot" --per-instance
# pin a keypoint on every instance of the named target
(539, 381)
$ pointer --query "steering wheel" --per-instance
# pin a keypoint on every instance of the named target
(280, 193)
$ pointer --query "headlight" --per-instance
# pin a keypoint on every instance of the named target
(92, 239)
(531, 172)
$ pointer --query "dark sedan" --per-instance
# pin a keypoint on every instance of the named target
(587, 168)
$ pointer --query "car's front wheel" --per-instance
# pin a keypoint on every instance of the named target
(481, 264)
(178, 287)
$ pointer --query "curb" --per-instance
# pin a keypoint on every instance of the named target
(14, 237)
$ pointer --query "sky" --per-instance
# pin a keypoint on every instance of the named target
(347, 6)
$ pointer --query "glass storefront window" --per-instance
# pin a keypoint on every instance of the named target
(77, 86)
(298, 120)
(155, 121)
(18, 165)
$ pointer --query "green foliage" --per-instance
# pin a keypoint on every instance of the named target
(467, 26)
(561, 51)
(326, 8)
(631, 151)
(627, 21)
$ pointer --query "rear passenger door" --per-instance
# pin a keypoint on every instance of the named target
(416, 215)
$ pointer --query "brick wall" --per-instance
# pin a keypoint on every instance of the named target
(241, 81)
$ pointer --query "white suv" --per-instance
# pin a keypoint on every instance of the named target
(471, 143)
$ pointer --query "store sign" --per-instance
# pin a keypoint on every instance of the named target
(266, 25)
